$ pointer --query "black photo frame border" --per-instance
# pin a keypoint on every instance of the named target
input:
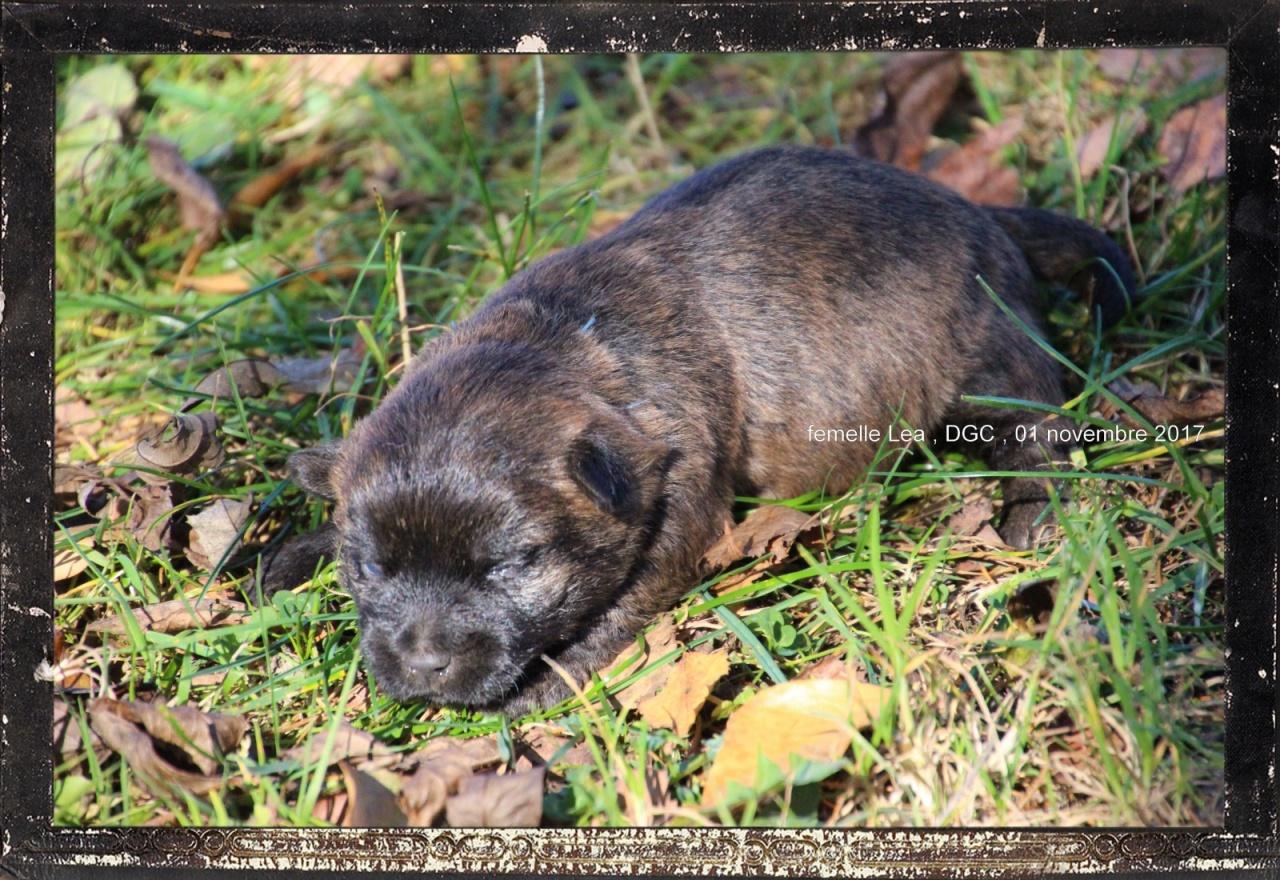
(32, 34)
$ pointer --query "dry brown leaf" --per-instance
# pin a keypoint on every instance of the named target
(250, 377)
(348, 744)
(254, 377)
(1158, 409)
(69, 479)
(835, 666)
(1091, 150)
(1194, 144)
(540, 745)
(320, 375)
(972, 517)
(811, 718)
(989, 536)
(204, 736)
(70, 561)
(187, 442)
(743, 578)
(917, 88)
(975, 171)
(223, 282)
(424, 794)
(74, 421)
(139, 751)
(140, 511)
(68, 740)
(370, 804)
(132, 729)
(239, 281)
(677, 705)
(215, 531)
(771, 527)
(256, 192)
(513, 800)
(1160, 68)
(659, 641)
(201, 209)
(177, 615)
(331, 808)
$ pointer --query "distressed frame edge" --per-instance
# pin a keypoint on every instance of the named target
(27, 842)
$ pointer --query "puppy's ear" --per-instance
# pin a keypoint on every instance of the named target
(312, 469)
(617, 467)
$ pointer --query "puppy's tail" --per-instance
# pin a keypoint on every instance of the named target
(1068, 251)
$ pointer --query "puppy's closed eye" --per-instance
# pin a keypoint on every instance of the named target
(516, 564)
(363, 568)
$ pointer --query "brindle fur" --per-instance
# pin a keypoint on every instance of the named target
(545, 478)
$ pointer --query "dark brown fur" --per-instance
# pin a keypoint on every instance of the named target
(544, 478)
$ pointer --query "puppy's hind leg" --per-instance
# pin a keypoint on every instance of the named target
(1021, 439)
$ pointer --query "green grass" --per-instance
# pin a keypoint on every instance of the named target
(1107, 713)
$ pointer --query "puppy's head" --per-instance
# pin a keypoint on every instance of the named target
(480, 530)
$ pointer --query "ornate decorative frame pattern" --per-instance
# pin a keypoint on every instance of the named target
(33, 33)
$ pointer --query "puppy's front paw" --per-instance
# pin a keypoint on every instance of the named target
(1022, 525)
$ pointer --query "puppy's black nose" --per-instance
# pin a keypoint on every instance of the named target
(422, 651)
(428, 662)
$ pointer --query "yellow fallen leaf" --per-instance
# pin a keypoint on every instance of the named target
(659, 641)
(811, 719)
(687, 688)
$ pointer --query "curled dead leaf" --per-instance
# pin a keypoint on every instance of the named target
(812, 719)
(187, 442)
(329, 73)
(320, 375)
(836, 666)
(916, 90)
(132, 729)
(770, 527)
(240, 281)
(513, 800)
(216, 531)
(989, 536)
(177, 615)
(677, 705)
